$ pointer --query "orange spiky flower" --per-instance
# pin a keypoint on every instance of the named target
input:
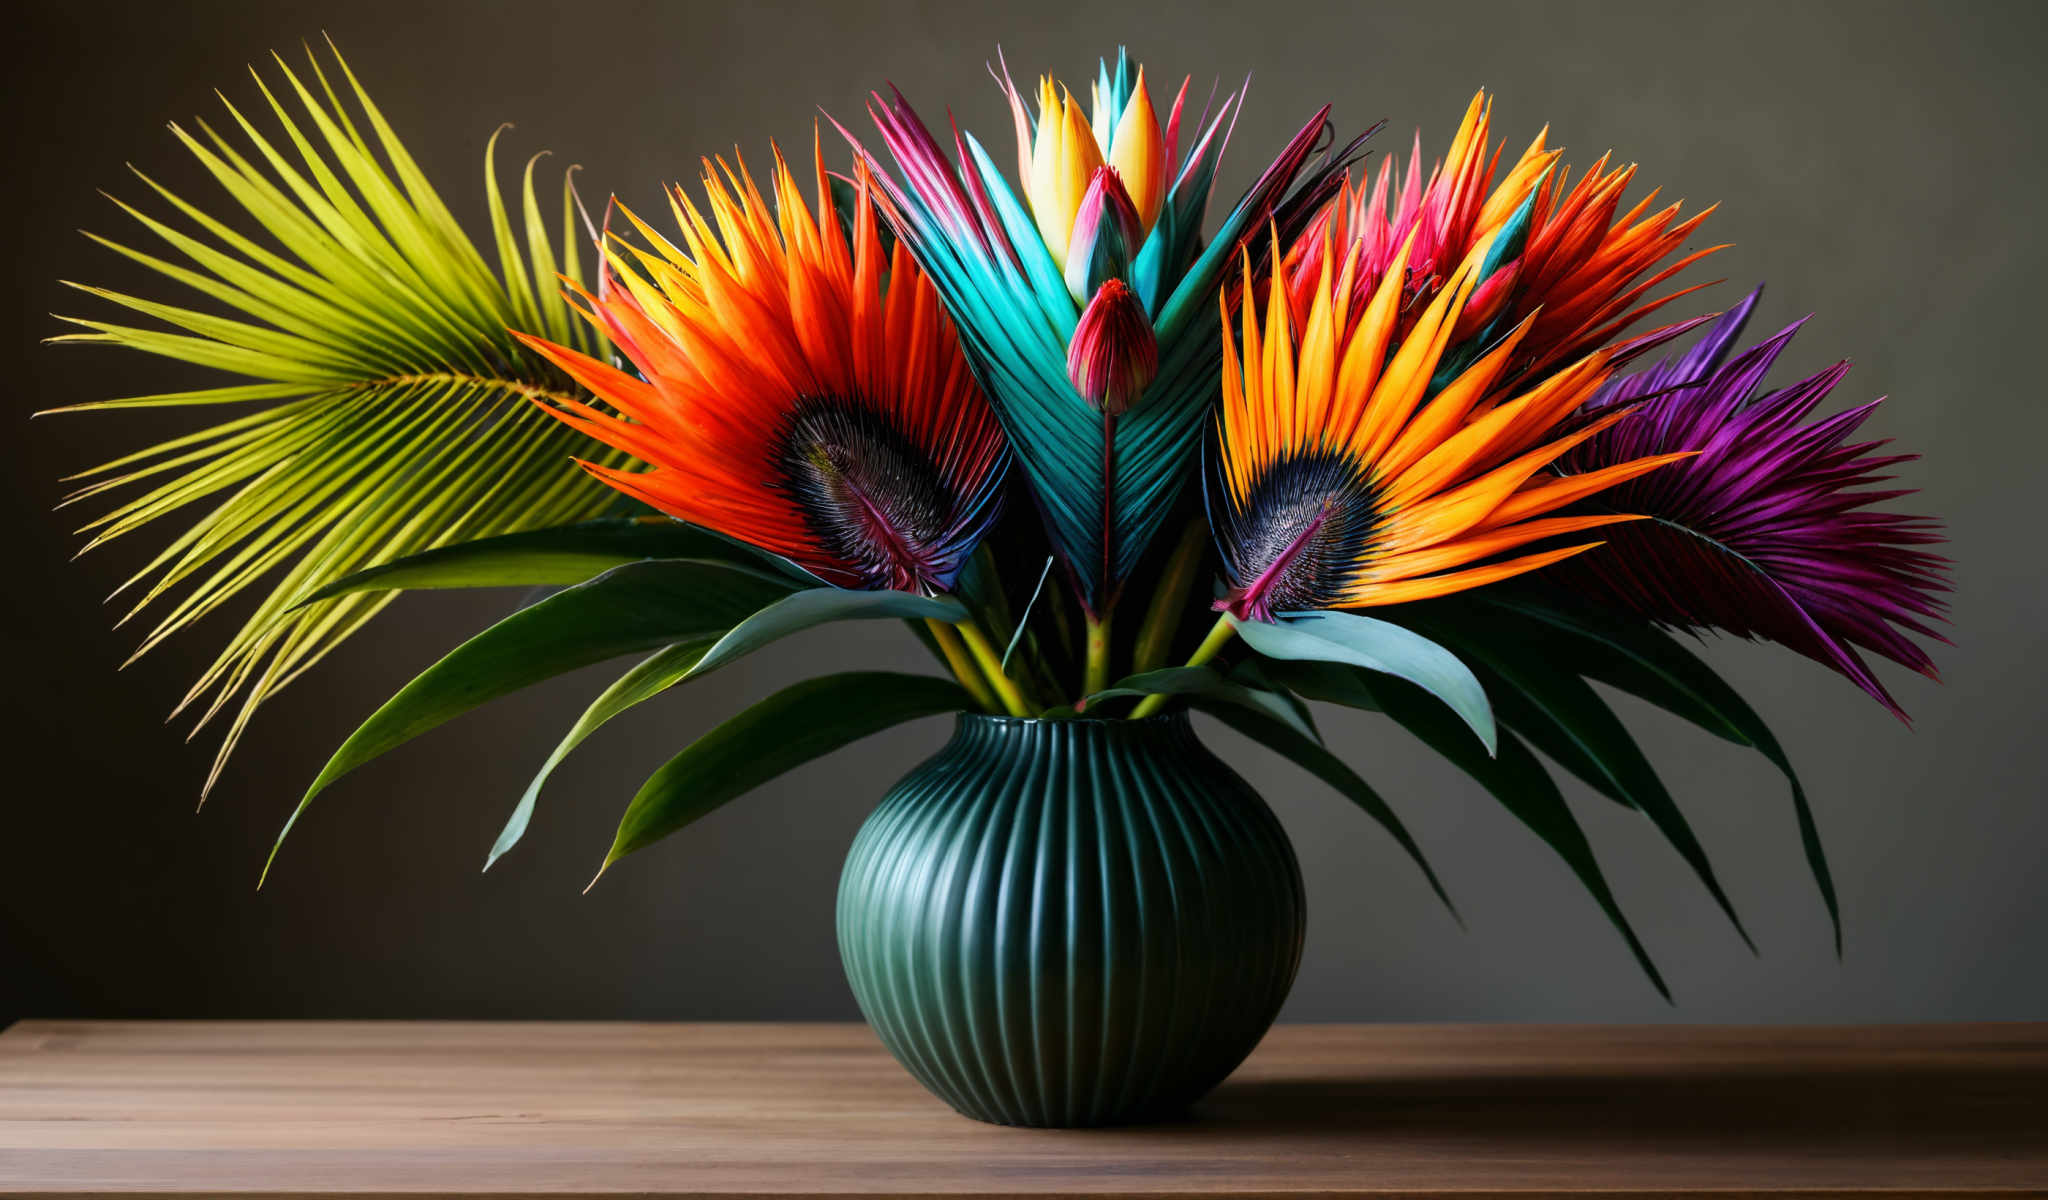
(796, 392)
(1560, 251)
(1341, 481)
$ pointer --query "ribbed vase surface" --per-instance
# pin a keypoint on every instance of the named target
(1066, 923)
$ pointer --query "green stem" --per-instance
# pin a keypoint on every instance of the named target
(1095, 676)
(1219, 636)
(957, 657)
(992, 666)
(1162, 619)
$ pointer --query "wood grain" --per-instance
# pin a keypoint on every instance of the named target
(527, 1110)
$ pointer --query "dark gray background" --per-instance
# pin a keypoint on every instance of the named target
(1880, 164)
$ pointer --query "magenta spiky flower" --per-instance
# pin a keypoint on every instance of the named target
(1772, 531)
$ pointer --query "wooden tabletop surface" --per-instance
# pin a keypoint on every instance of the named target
(515, 1110)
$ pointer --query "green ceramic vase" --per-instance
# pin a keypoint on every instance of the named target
(1066, 923)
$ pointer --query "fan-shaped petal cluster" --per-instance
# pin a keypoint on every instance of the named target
(1079, 293)
(1342, 481)
(1770, 532)
(1564, 254)
(796, 390)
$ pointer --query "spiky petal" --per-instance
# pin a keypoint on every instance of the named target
(1341, 483)
(796, 392)
(1771, 531)
(999, 256)
(1566, 255)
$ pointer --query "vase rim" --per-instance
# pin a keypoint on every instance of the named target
(1156, 721)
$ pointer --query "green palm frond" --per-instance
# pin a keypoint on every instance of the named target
(388, 408)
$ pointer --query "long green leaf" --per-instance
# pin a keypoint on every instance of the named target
(1573, 714)
(555, 557)
(1207, 684)
(1305, 752)
(628, 609)
(792, 727)
(1377, 646)
(818, 606)
(1514, 776)
(1545, 700)
(389, 409)
(687, 660)
(649, 678)
(1651, 664)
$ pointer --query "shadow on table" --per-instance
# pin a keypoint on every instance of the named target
(1940, 1107)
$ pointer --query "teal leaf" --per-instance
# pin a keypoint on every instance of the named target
(1377, 646)
(1561, 713)
(1206, 683)
(1515, 777)
(1332, 683)
(687, 660)
(790, 728)
(653, 675)
(1307, 753)
(637, 607)
(1252, 673)
(1650, 664)
(558, 556)
(1024, 621)
(819, 606)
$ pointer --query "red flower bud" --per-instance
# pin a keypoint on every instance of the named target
(1114, 354)
(1107, 234)
(1487, 300)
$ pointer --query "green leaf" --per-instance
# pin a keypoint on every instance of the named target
(792, 727)
(1252, 673)
(653, 675)
(687, 660)
(1307, 753)
(1514, 776)
(1651, 664)
(627, 609)
(1555, 708)
(1207, 684)
(383, 408)
(1377, 646)
(553, 557)
(818, 606)
(1332, 683)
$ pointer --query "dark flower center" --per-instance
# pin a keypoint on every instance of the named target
(874, 499)
(1295, 541)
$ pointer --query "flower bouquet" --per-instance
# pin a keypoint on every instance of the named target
(1399, 440)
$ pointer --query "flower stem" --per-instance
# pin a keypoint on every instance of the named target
(991, 662)
(1095, 676)
(1219, 636)
(962, 663)
(1162, 619)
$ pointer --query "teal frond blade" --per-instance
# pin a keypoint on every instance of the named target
(382, 407)
(1047, 286)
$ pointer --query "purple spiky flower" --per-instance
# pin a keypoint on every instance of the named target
(1771, 531)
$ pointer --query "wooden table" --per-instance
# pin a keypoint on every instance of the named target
(505, 1110)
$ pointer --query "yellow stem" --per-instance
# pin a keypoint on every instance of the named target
(962, 663)
(1162, 619)
(992, 666)
(1219, 636)
(1095, 676)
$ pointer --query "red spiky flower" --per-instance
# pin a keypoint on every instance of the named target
(1564, 253)
(796, 392)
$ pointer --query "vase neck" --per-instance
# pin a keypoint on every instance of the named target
(1159, 733)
